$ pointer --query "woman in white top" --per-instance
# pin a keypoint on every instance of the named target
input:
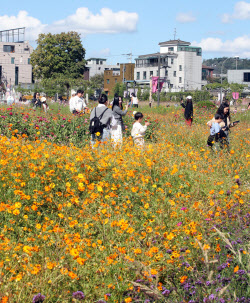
(134, 100)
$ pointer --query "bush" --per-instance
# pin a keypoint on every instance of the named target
(205, 104)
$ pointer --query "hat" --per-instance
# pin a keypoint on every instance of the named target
(73, 92)
(189, 97)
(43, 99)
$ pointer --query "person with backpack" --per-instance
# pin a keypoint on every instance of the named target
(101, 120)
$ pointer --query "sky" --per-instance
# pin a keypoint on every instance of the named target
(111, 29)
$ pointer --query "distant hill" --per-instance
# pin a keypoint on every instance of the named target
(229, 64)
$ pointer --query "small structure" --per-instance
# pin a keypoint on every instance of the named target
(97, 66)
(240, 76)
(123, 73)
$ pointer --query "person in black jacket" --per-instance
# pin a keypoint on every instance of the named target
(188, 114)
(36, 101)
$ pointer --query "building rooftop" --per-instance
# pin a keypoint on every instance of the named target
(174, 42)
(207, 67)
(155, 55)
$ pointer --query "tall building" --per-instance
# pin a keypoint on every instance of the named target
(15, 67)
(179, 63)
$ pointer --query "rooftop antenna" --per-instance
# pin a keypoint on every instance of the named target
(175, 33)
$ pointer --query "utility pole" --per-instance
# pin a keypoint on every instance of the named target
(158, 83)
(175, 33)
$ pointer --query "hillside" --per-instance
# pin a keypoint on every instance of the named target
(229, 64)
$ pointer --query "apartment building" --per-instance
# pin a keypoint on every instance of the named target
(124, 73)
(177, 63)
(97, 66)
(15, 67)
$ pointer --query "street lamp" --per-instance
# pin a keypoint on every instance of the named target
(221, 79)
(236, 57)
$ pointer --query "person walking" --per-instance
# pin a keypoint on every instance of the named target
(188, 113)
(101, 121)
(116, 131)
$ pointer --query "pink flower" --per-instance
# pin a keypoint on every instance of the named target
(179, 224)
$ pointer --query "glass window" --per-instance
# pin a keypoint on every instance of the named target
(170, 49)
(12, 60)
(101, 62)
(107, 81)
(172, 60)
(174, 73)
(180, 68)
(180, 80)
(28, 60)
(144, 75)
(115, 80)
(246, 77)
(9, 48)
(166, 72)
(97, 61)
(151, 73)
(138, 76)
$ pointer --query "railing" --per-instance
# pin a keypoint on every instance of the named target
(146, 64)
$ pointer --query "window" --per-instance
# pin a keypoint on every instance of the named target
(166, 72)
(97, 61)
(174, 73)
(107, 81)
(172, 60)
(28, 60)
(170, 49)
(9, 48)
(138, 76)
(144, 75)
(246, 77)
(151, 73)
(99, 68)
(12, 60)
(180, 68)
(157, 73)
(115, 80)
(101, 62)
(180, 80)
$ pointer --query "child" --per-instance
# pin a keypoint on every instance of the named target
(138, 131)
(216, 131)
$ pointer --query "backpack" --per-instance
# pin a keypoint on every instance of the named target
(95, 125)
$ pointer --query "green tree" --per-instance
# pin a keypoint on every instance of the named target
(60, 55)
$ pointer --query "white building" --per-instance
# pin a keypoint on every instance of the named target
(97, 66)
(180, 65)
(240, 76)
(15, 67)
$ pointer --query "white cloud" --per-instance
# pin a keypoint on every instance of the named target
(241, 12)
(107, 22)
(239, 46)
(83, 21)
(33, 25)
(185, 18)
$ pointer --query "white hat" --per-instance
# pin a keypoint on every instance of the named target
(73, 92)
(189, 97)
(43, 99)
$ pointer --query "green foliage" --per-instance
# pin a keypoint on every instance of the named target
(145, 94)
(97, 82)
(57, 55)
(216, 63)
(205, 104)
(139, 93)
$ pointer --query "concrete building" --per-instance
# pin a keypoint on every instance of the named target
(97, 66)
(180, 66)
(15, 67)
(240, 76)
(123, 74)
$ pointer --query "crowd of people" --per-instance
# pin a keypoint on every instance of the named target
(107, 123)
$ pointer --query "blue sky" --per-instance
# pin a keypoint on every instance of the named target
(112, 28)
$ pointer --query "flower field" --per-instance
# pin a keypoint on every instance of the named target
(169, 223)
